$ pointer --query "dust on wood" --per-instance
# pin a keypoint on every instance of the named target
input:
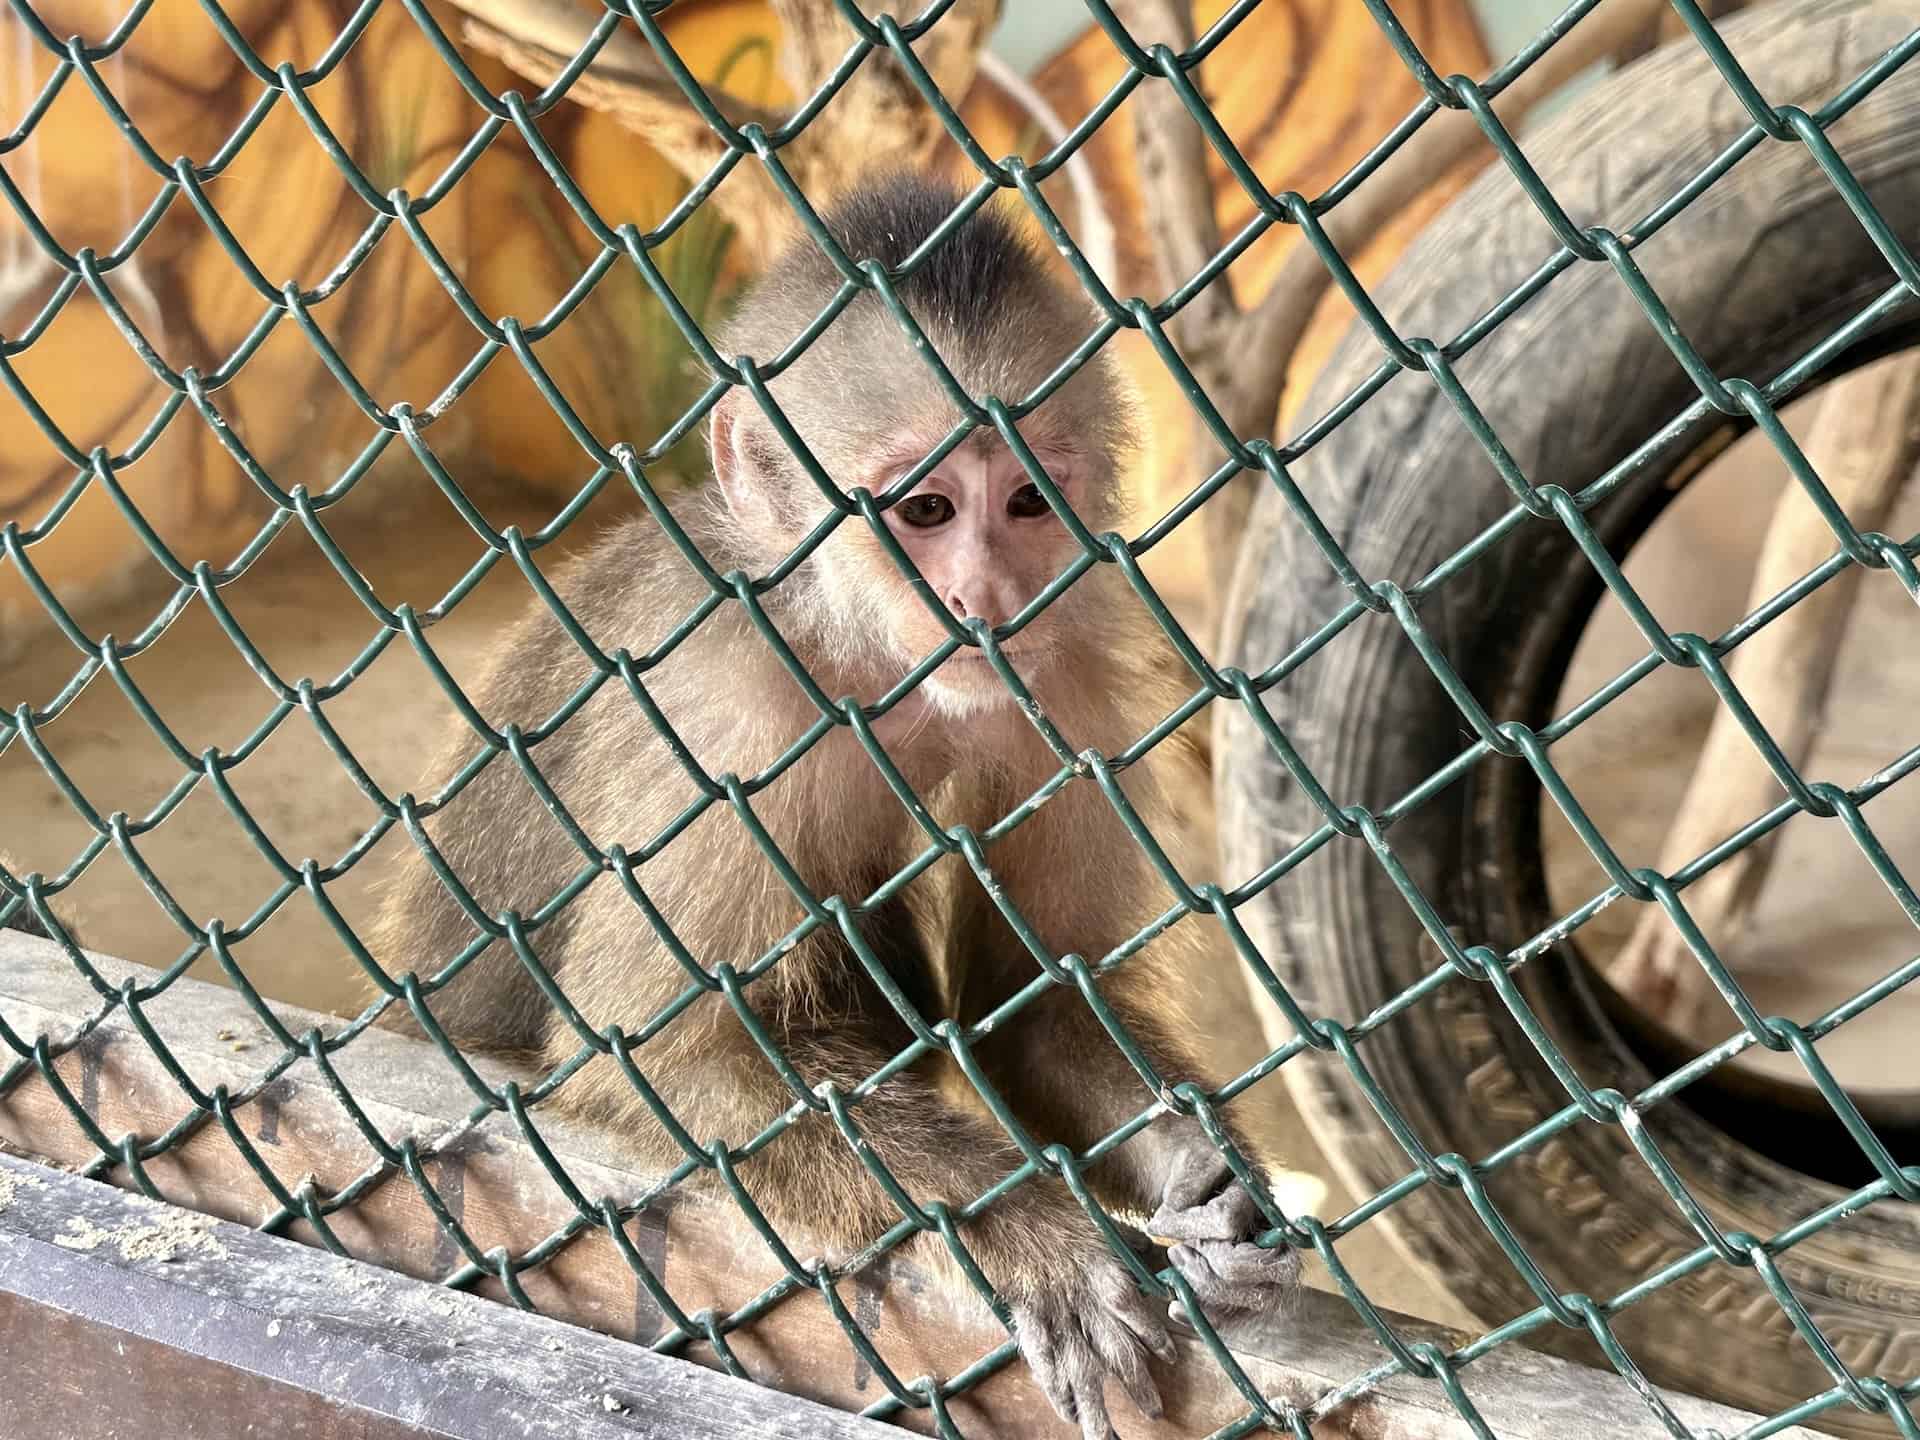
(497, 1188)
(172, 1232)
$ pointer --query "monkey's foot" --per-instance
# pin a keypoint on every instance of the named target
(1213, 1220)
(1074, 1338)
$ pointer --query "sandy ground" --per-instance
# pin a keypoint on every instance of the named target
(1629, 768)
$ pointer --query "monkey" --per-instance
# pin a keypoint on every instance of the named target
(864, 402)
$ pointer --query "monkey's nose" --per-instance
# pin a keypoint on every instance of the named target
(958, 604)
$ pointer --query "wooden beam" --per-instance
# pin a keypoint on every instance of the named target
(140, 1313)
(492, 1182)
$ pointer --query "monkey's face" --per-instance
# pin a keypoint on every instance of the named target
(976, 528)
(987, 543)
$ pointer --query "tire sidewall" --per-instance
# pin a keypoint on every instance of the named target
(1772, 265)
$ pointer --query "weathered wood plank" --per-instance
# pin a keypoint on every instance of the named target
(495, 1186)
(113, 1306)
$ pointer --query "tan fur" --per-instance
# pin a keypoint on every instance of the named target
(1072, 869)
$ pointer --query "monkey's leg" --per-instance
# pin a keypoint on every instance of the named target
(1076, 1086)
(1078, 1315)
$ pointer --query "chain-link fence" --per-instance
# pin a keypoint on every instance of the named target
(193, 397)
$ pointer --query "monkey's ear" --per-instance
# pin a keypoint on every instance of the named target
(733, 456)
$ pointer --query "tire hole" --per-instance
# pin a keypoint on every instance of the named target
(1821, 927)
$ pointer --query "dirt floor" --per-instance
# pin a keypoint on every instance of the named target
(1826, 927)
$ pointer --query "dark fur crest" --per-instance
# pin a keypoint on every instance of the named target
(982, 292)
(985, 297)
(968, 276)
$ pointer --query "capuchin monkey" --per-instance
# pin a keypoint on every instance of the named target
(869, 408)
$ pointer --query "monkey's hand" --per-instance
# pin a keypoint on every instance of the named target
(1213, 1220)
(1091, 1323)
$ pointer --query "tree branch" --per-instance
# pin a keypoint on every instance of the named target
(812, 40)
(1241, 358)
(674, 130)
(1171, 155)
(879, 120)
(557, 31)
(1667, 25)
(1864, 444)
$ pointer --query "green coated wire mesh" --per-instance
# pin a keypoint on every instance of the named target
(623, 245)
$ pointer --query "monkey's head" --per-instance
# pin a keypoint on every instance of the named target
(867, 404)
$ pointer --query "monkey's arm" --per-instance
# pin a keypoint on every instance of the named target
(1073, 1083)
(1078, 1315)
(1069, 1077)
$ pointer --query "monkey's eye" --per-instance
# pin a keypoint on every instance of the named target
(1027, 503)
(923, 512)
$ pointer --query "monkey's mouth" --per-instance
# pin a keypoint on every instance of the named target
(1023, 658)
(968, 675)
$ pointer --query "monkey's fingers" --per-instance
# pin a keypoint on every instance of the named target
(1133, 1307)
(1088, 1381)
(1151, 1331)
(1198, 1174)
(1127, 1362)
(1123, 1331)
(1230, 1215)
(1227, 1276)
(1064, 1365)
